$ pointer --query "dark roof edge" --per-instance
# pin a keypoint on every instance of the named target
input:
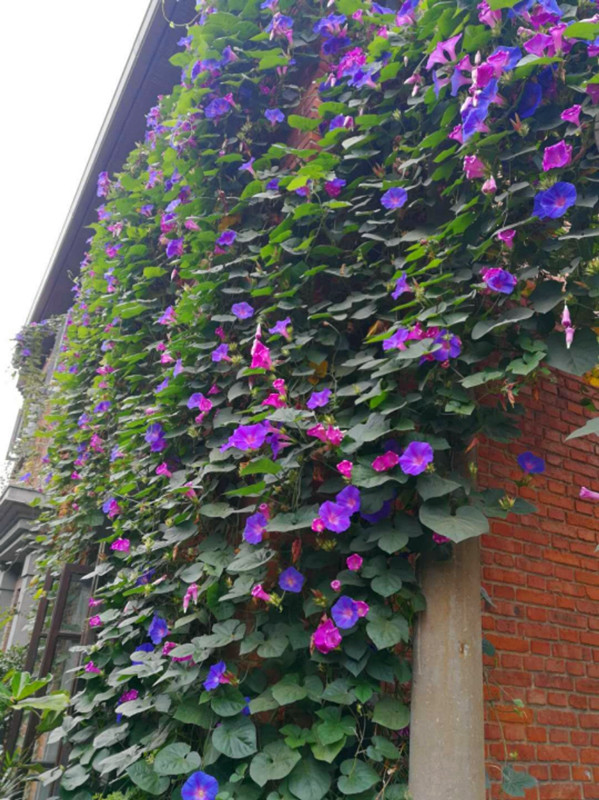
(117, 137)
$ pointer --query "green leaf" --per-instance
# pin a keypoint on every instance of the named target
(582, 30)
(357, 777)
(227, 701)
(515, 783)
(546, 296)
(142, 775)
(386, 584)
(288, 691)
(464, 524)
(310, 780)
(175, 759)
(220, 510)
(274, 763)
(592, 426)
(303, 123)
(388, 632)
(582, 356)
(74, 777)
(391, 713)
(235, 738)
(496, 5)
(433, 485)
(512, 315)
(261, 466)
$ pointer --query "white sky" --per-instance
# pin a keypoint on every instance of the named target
(60, 63)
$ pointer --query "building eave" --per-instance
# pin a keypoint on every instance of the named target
(147, 74)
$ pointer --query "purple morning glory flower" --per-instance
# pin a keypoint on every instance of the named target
(178, 368)
(217, 107)
(168, 318)
(446, 345)
(147, 210)
(280, 327)
(199, 786)
(255, 525)
(530, 463)
(242, 310)
(333, 188)
(290, 580)
(334, 516)
(226, 238)
(146, 647)
(341, 121)
(416, 458)
(274, 115)
(111, 508)
(248, 437)
(280, 25)
(221, 353)
(401, 286)
(216, 676)
(158, 629)
(377, 516)
(155, 437)
(394, 197)
(397, 340)
(554, 202)
(174, 248)
(499, 280)
(273, 185)
(345, 612)
(349, 498)
(147, 576)
(530, 100)
(103, 184)
(318, 399)
(161, 386)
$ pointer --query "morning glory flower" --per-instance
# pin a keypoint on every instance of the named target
(554, 202)
(346, 612)
(572, 115)
(333, 188)
(178, 368)
(144, 648)
(318, 399)
(274, 115)
(260, 356)
(91, 668)
(248, 437)
(530, 100)
(507, 237)
(102, 407)
(158, 629)
(394, 197)
(341, 121)
(226, 238)
(444, 52)
(557, 155)
(242, 310)
(446, 345)
(385, 462)
(588, 494)
(504, 58)
(216, 676)
(345, 468)
(499, 280)
(200, 402)
(199, 786)
(397, 340)
(255, 527)
(326, 637)
(168, 318)
(217, 108)
(280, 328)
(121, 545)
(111, 508)
(354, 562)
(349, 498)
(290, 580)
(174, 248)
(154, 436)
(161, 386)
(103, 184)
(473, 167)
(221, 353)
(334, 516)
(530, 463)
(416, 458)
(280, 25)
(401, 286)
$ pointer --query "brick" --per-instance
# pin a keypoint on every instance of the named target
(549, 752)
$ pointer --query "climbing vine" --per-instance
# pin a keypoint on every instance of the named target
(350, 237)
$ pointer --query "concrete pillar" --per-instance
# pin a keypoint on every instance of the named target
(20, 631)
(446, 729)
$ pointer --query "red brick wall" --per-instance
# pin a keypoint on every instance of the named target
(542, 574)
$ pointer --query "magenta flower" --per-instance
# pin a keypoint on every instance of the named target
(587, 494)
(154, 436)
(227, 238)
(507, 237)
(473, 167)
(333, 188)
(259, 593)
(168, 223)
(438, 538)
(242, 310)
(401, 286)
(275, 400)
(199, 786)
(174, 248)
(216, 676)
(191, 593)
(349, 498)
(255, 527)
(162, 469)
(345, 612)
(260, 356)
(554, 202)
(158, 629)
(111, 508)
(444, 52)
(531, 464)
(354, 562)
(128, 696)
(274, 115)
(319, 399)
(95, 621)
(394, 198)
(385, 462)
(336, 585)
(416, 458)
(290, 580)
(446, 345)
(397, 340)
(168, 318)
(487, 16)
(221, 353)
(326, 637)
(489, 186)
(280, 328)
(362, 608)
(280, 25)
(317, 525)
(90, 667)
(572, 114)
(499, 280)
(93, 603)
(336, 517)
(248, 437)
(556, 156)
(345, 468)
(121, 545)
(198, 400)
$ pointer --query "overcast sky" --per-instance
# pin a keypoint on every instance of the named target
(60, 63)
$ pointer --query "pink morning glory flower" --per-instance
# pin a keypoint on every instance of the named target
(572, 114)
(90, 667)
(354, 562)
(557, 155)
(444, 52)
(260, 594)
(111, 508)
(333, 188)
(489, 186)
(438, 538)
(473, 167)
(95, 621)
(507, 237)
(416, 458)
(190, 594)
(326, 637)
(385, 462)
(336, 585)
(162, 469)
(317, 525)
(260, 356)
(588, 494)
(345, 468)
(121, 545)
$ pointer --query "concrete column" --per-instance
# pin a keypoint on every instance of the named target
(446, 729)
(20, 631)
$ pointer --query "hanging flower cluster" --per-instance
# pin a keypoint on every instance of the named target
(347, 240)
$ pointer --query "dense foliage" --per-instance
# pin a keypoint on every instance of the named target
(346, 242)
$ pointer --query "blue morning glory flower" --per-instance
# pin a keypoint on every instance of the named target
(554, 202)
(158, 629)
